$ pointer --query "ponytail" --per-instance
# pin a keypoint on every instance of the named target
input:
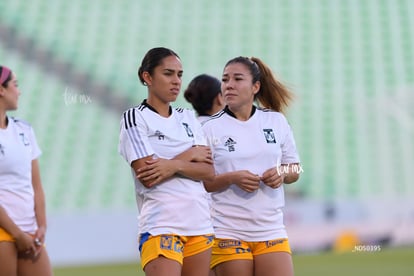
(273, 94)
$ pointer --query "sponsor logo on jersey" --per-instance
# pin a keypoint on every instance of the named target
(230, 144)
(269, 135)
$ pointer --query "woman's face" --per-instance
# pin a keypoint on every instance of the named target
(165, 82)
(10, 94)
(237, 87)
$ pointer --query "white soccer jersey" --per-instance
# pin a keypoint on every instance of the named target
(18, 147)
(178, 205)
(262, 142)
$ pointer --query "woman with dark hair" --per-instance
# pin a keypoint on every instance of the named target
(254, 155)
(167, 153)
(204, 94)
(22, 200)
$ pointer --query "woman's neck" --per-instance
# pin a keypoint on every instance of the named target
(3, 119)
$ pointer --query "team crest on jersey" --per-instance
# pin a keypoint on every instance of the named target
(188, 129)
(24, 139)
(269, 135)
(2, 149)
(230, 144)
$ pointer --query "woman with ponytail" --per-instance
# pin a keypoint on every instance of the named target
(168, 157)
(254, 155)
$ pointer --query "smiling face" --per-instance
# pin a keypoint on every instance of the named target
(164, 83)
(237, 86)
(9, 95)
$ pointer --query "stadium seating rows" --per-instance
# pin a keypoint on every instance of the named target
(350, 64)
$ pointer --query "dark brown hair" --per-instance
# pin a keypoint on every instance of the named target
(152, 59)
(201, 92)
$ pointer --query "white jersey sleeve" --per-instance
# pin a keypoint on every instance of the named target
(35, 150)
(133, 140)
(289, 151)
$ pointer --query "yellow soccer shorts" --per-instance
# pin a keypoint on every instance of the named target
(227, 249)
(172, 246)
(5, 236)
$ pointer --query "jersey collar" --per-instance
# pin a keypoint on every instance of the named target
(144, 102)
(228, 111)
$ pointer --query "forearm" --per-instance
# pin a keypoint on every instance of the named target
(220, 182)
(291, 172)
(194, 170)
(196, 154)
(39, 196)
(40, 209)
(184, 156)
(193, 164)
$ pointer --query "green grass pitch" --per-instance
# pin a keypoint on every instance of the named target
(395, 262)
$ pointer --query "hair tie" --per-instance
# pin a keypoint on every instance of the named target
(5, 73)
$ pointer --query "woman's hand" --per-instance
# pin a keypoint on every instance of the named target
(39, 239)
(273, 177)
(197, 153)
(246, 180)
(155, 171)
(25, 243)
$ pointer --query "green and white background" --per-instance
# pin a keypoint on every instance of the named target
(349, 62)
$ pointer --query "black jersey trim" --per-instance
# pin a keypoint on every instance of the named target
(146, 104)
(228, 111)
